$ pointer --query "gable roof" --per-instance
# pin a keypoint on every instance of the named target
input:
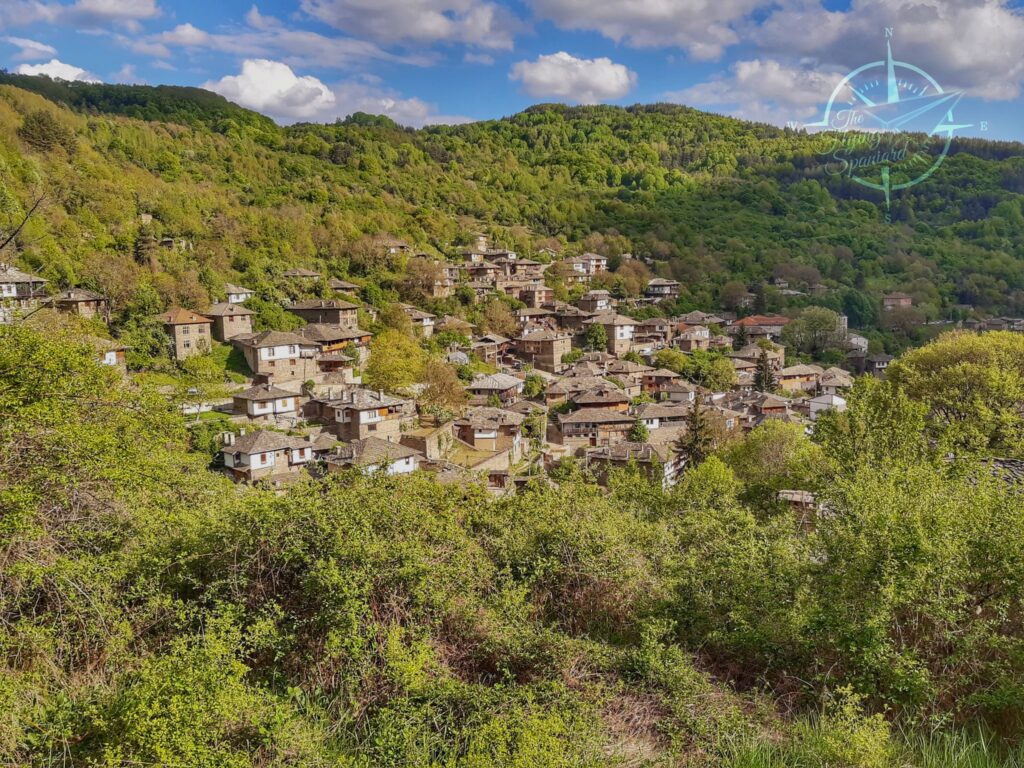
(262, 441)
(75, 295)
(370, 451)
(270, 339)
(179, 316)
(11, 274)
(325, 332)
(322, 304)
(490, 418)
(225, 310)
(262, 392)
(495, 381)
(596, 416)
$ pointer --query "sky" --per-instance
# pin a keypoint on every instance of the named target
(449, 61)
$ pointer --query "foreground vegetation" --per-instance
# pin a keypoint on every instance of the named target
(151, 613)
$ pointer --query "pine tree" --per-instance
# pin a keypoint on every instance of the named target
(699, 440)
(764, 377)
(740, 340)
(639, 433)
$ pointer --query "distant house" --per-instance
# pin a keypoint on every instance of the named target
(355, 414)
(660, 463)
(597, 300)
(422, 322)
(500, 385)
(338, 348)
(286, 356)
(659, 415)
(751, 354)
(229, 320)
(661, 289)
(306, 275)
(492, 429)
(605, 397)
(395, 246)
(109, 353)
(594, 427)
(833, 381)
(19, 292)
(595, 263)
(342, 286)
(536, 295)
(265, 402)
(877, 365)
(897, 300)
(81, 302)
(330, 311)
(655, 382)
(264, 455)
(189, 332)
(619, 330)
(544, 349)
(371, 454)
(237, 294)
(761, 327)
(799, 378)
(692, 338)
(823, 403)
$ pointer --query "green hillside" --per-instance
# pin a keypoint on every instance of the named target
(710, 200)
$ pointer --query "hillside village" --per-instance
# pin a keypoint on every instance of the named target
(583, 381)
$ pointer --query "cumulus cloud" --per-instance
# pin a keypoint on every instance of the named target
(58, 70)
(30, 50)
(472, 22)
(702, 27)
(565, 77)
(272, 87)
(765, 90)
(972, 45)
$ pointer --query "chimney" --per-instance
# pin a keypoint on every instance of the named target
(241, 433)
(228, 439)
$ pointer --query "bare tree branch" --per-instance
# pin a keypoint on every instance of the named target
(28, 215)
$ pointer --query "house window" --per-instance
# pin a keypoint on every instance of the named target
(185, 330)
(186, 345)
(372, 428)
(263, 458)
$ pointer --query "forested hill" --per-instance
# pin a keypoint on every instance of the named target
(710, 200)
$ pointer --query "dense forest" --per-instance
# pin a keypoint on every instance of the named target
(714, 202)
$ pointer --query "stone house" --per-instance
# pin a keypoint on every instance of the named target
(189, 332)
(81, 302)
(544, 349)
(229, 321)
(327, 311)
(492, 429)
(265, 455)
(265, 402)
(286, 356)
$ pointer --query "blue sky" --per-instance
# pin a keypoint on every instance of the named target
(424, 61)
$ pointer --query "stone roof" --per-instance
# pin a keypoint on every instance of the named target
(341, 285)
(263, 441)
(644, 453)
(270, 339)
(262, 392)
(231, 288)
(497, 382)
(361, 399)
(490, 418)
(11, 274)
(179, 316)
(370, 451)
(326, 332)
(300, 272)
(76, 294)
(596, 416)
(605, 395)
(224, 309)
(322, 304)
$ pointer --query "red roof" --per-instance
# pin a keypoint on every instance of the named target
(746, 322)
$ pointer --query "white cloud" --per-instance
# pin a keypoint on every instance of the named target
(973, 45)
(273, 88)
(30, 50)
(565, 77)
(478, 58)
(703, 27)
(764, 90)
(266, 38)
(81, 13)
(127, 74)
(473, 22)
(58, 70)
